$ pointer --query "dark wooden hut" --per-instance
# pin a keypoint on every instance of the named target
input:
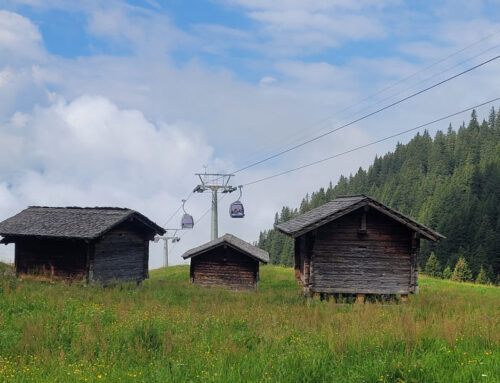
(227, 261)
(100, 245)
(356, 245)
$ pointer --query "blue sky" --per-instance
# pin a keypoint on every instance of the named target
(64, 27)
(120, 103)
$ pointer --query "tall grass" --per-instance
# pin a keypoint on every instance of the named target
(172, 331)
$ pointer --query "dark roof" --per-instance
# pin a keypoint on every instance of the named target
(235, 242)
(341, 206)
(71, 222)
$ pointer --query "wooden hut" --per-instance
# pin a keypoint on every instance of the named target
(227, 261)
(100, 245)
(356, 245)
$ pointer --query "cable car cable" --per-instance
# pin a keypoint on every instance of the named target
(390, 86)
(427, 79)
(372, 143)
(367, 115)
(403, 90)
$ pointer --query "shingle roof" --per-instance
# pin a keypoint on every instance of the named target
(70, 222)
(235, 242)
(341, 206)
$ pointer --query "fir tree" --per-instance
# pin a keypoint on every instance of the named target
(432, 267)
(462, 273)
(482, 278)
(447, 274)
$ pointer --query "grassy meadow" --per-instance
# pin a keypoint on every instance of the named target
(171, 331)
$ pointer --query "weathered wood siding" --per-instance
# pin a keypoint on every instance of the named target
(225, 266)
(62, 258)
(120, 255)
(345, 258)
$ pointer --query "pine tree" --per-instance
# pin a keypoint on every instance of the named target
(462, 273)
(447, 274)
(432, 267)
(482, 278)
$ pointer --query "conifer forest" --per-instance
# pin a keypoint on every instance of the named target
(449, 182)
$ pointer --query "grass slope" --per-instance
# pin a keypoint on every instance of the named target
(170, 330)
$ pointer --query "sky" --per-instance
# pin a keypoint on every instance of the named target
(120, 103)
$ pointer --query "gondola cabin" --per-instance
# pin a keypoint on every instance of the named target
(227, 261)
(356, 245)
(187, 221)
(236, 210)
(98, 245)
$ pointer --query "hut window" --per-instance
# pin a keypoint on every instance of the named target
(362, 229)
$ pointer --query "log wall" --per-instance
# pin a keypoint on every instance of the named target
(120, 255)
(61, 258)
(225, 266)
(356, 255)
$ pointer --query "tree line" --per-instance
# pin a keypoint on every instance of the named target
(449, 182)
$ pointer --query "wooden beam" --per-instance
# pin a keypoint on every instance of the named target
(414, 254)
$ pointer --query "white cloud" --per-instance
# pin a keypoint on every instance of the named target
(143, 32)
(89, 152)
(296, 28)
(19, 38)
(267, 80)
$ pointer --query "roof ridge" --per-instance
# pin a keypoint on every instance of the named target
(352, 195)
(81, 208)
(233, 240)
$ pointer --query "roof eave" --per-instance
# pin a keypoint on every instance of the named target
(11, 237)
(196, 253)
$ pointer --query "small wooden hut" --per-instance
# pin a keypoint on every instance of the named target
(356, 245)
(100, 245)
(227, 261)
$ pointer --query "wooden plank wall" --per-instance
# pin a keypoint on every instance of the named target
(225, 266)
(348, 260)
(120, 256)
(65, 258)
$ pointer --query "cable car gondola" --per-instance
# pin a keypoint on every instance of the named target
(187, 221)
(236, 209)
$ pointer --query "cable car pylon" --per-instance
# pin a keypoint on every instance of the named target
(214, 182)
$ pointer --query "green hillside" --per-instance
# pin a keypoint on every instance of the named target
(172, 331)
(450, 183)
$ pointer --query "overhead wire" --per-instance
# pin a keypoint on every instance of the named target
(371, 143)
(390, 86)
(366, 115)
(426, 67)
(427, 79)
(406, 89)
